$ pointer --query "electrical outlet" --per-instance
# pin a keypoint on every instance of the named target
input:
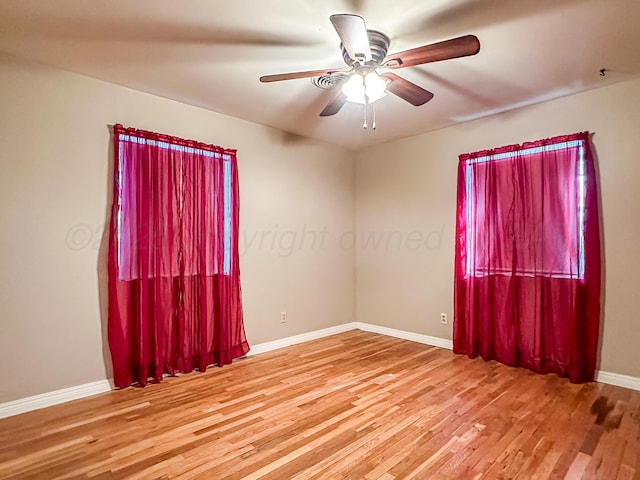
(283, 317)
(443, 318)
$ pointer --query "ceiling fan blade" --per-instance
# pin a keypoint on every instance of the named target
(407, 90)
(293, 75)
(435, 52)
(334, 105)
(353, 34)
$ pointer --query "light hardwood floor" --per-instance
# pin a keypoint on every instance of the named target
(352, 406)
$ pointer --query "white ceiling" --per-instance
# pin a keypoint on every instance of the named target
(211, 54)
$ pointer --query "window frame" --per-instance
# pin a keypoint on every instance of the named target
(227, 196)
(581, 179)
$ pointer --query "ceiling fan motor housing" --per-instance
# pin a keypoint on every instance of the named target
(378, 43)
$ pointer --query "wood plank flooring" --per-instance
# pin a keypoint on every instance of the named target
(352, 406)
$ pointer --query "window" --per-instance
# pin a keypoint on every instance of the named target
(528, 202)
(169, 204)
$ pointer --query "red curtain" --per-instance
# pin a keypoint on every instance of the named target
(527, 278)
(174, 278)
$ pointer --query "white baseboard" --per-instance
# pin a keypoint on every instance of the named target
(414, 337)
(303, 337)
(609, 378)
(23, 405)
(56, 397)
(619, 380)
(367, 327)
(49, 399)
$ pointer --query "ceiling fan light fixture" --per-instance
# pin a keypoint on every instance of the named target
(375, 86)
(358, 86)
(354, 88)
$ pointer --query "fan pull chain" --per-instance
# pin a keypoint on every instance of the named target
(373, 114)
(373, 109)
(366, 101)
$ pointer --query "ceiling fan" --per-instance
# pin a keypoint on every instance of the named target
(365, 53)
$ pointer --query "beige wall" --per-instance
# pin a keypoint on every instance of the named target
(410, 186)
(54, 180)
(297, 209)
